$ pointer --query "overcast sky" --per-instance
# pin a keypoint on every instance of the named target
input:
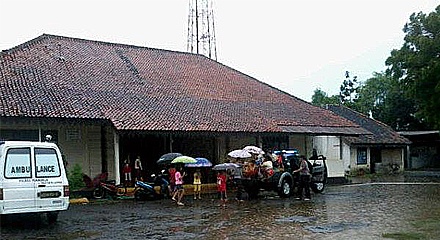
(296, 46)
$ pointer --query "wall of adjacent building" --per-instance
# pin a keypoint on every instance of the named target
(79, 143)
(390, 155)
(330, 147)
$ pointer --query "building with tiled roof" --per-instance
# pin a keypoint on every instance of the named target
(373, 152)
(106, 102)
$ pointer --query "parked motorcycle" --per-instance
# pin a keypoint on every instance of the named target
(147, 191)
(105, 188)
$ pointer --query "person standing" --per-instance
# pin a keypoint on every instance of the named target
(172, 186)
(304, 179)
(221, 187)
(138, 169)
(197, 184)
(178, 194)
(126, 170)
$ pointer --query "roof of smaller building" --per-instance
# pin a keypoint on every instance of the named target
(380, 132)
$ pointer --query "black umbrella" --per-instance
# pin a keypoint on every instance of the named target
(167, 158)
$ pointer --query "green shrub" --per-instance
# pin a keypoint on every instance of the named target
(75, 177)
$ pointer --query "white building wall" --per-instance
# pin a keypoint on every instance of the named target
(353, 159)
(329, 146)
(346, 157)
(82, 145)
(79, 143)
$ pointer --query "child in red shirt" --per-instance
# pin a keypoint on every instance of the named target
(127, 173)
(172, 186)
(221, 187)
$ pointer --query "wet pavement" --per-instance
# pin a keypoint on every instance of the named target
(369, 209)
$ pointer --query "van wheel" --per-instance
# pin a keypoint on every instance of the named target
(98, 193)
(52, 217)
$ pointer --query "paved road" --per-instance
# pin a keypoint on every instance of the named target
(357, 211)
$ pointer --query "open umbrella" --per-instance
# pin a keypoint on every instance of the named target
(184, 159)
(201, 162)
(233, 168)
(253, 149)
(167, 158)
(240, 153)
(226, 166)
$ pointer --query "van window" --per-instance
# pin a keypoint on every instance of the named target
(46, 163)
(18, 163)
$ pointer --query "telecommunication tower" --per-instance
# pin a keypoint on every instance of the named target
(201, 31)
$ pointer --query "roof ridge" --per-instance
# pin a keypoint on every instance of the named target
(48, 36)
(23, 45)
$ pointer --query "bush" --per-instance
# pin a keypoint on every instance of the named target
(75, 177)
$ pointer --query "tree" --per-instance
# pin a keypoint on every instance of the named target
(348, 90)
(384, 98)
(416, 65)
(320, 98)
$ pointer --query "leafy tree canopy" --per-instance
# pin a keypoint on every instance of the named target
(416, 65)
(320, 98)
(384, 98)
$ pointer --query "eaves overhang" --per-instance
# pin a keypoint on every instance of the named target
(320, 130)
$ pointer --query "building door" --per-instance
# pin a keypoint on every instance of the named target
(375, 159)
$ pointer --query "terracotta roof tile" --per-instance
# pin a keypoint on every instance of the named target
(139, 88)
(380, 132)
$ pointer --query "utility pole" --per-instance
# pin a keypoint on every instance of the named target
(201, 30)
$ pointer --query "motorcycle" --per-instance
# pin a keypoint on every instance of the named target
(147, 191)
(105, 188)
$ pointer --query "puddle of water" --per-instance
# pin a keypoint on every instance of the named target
(342, 212)
(296, 219)
(335, 227)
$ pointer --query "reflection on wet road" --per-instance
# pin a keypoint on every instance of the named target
(360, 211)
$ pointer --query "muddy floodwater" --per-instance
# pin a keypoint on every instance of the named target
(373, 210)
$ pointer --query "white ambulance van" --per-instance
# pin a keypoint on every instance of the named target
(32, 179)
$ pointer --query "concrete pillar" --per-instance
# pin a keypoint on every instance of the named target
(116, 159)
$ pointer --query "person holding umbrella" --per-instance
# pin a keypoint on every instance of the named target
(178, 194)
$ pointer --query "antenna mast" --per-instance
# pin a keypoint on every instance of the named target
(201, 31)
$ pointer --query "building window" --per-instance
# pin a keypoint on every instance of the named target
(361, 156)
(73, 135)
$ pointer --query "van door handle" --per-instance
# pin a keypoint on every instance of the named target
(41, 185)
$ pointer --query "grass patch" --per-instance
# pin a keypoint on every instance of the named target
(404, 236)
(79, 234)
(424, 229)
